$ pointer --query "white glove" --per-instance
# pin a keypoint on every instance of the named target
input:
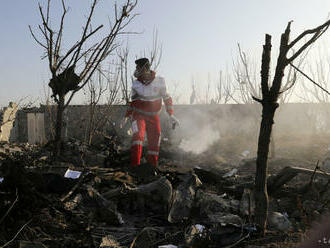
(174, 121)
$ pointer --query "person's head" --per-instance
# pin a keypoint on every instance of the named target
(142, 67)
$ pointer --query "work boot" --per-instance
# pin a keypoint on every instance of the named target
(144, 173)
(148, 168)
(134, 171)
(150, 173)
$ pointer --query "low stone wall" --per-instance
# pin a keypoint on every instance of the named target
(197, 121)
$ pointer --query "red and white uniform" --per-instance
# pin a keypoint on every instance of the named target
(145, 107)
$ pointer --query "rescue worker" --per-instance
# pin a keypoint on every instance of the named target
(148, 91)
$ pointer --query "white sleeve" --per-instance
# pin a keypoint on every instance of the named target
(133, 93)
(163, 90)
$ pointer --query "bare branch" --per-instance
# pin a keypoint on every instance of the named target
(83, 37)
(59, 35)
(305, 75)
(156, 52)
(74, 47)
(309, 31)
(245, 66)
(35, 38)
(317, 33)
(64, 77)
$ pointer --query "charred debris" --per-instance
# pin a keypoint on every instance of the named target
(91, 198)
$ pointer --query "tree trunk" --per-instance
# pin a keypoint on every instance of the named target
(261, 195)
(272, 145)
(58, 127)
(269, 106)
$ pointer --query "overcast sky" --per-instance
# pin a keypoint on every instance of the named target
(198, 38)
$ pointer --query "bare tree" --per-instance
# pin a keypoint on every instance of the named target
(224, 90)
(65, 74)
(244, 70)
(245, 75)
(96, 88)
(269, 101)
(318, 69)
(154, 55)
(103, 83)
(113, 88)
(200, 95)
(193, 95)
(214, 92)
(208, 89)
(315, 89)
(123, 69)
(175, 92)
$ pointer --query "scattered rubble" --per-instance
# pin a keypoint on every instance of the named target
(183, 199)
(91, 198)
(279, 221)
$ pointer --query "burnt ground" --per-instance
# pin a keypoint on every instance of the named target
(189, 201)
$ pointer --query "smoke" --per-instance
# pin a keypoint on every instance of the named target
(202, 126)
(299, 130)
(200, 141)
(198, 128)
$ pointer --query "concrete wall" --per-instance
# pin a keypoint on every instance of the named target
(36, 128)
(7, 130)
(22, 125)
(197, 121)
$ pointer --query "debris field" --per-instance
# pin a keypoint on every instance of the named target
(90, 197)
